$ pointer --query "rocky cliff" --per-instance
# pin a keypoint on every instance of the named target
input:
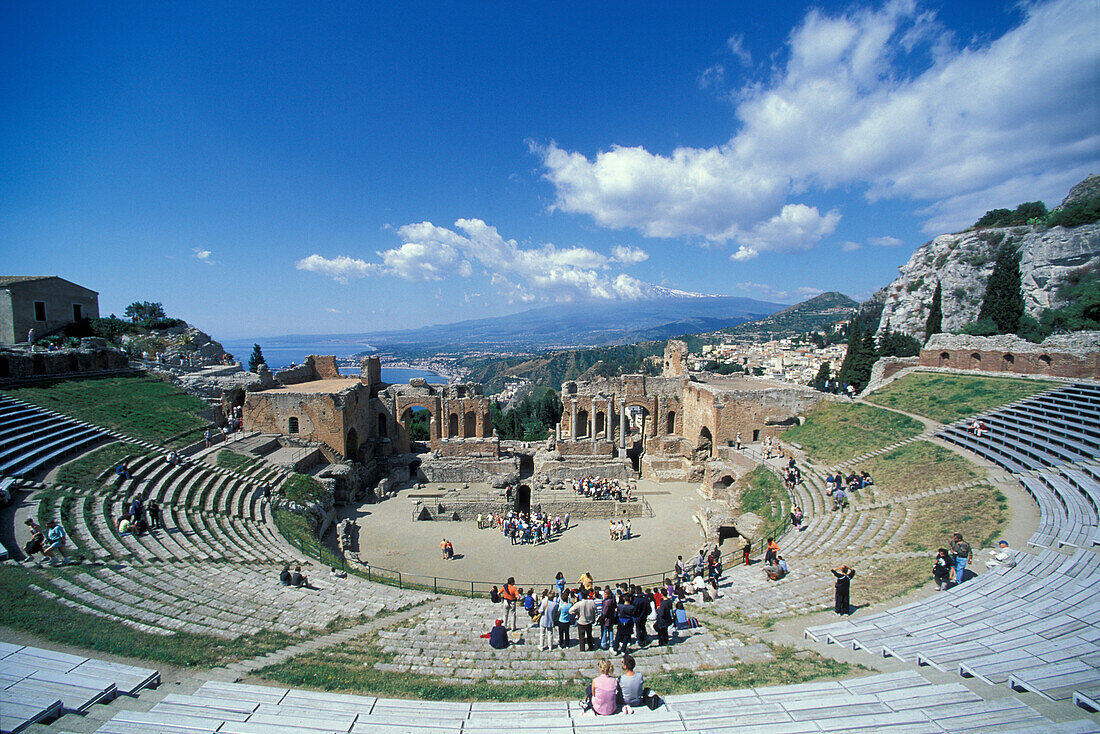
(962, 263)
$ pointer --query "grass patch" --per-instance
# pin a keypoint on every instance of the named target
(947, 398)
(22, 609)
(302, 488)
(979, 513)
(232, 460)
(138, 405)
(350, 668)
(834, 432)
(763, 493)
(916, 467)
(887, 578)
(83, 472)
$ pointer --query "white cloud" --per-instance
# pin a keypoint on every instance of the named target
(796, 227)
(522, 274)
(333, 310)
(886, 241)
(850, 246)
(736, 46)
(341, 269)
(204, 256)
(765, 290)
(882, 100)
(712, 76)
(628, 255)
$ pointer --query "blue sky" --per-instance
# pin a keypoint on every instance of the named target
(273, 168)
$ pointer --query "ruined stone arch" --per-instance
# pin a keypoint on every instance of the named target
(351, 444)
(582, 423)
(383, 426)
(469, 424)
(975, 361)
(1008, 361)
(452, 426)
(670, 423)
(1044, 362)
(945, 358)
(292, 425)
(601, 422)
(487, 425)
(705, 443)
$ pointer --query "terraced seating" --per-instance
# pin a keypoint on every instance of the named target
(1033, 626)
(33, 439)
(38, 684)
(896, 701)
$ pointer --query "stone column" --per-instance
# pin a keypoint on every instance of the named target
(576, 423)
(592, 423)
(622, 427)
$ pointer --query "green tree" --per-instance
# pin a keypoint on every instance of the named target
(139, 311)
(934, 323)
(256, 359)
(847, 370)
(822, 378)
(1003, 303)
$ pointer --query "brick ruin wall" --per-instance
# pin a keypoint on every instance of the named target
(17, 364)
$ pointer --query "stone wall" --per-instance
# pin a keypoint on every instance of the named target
(1072, 356)
(338, 420)
(315, 367)
(18, 364)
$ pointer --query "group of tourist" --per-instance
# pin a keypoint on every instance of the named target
(602, 488)
(136, 518)
(949, 566)
(295, 578)
(770, 449)
(49, 542)
(607, 695)
(839, 487)
(447, 549)
(619, 529)
(527, 528)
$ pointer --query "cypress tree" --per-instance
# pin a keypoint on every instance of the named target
(934, 324)
(256, 358)
(1003, 303)
(855, 343)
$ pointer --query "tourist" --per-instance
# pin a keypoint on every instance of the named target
(510, 595)
(624, 612)
(663, 620)
(1002, 555)
(844, 576)
(565, 619)
(840, 499)
(548, 614)
(963, 555)
(678, 570)
(586, 581)
(772, 552)
(206, 436)
(739, 440)
(941, 569)
(284, 575)
(123, 471)
(497, 636)
(642, 607)
(337, 573)
(124, 525)
(559, 581)
(494, 595)
(632, 686)
(746, 549)
(37, 541)
(443, 548)
(796, 518)
(602, 694)
(585, 612)
(55, 543)
(153, 511)
(137, 510)
(683, 621)
(480, 521)
(297, 579)
(606, 619)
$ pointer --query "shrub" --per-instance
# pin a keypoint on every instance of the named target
(302, 489)
(1086, 212)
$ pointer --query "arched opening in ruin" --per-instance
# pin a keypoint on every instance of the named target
(38, 364)
(975, 361)
(292, 425)
(670, 423)
(74, 365)
(414, 471)
(469, 424)
(523, 499)
(417, 422)
(582, 424)
(755, 435)
(727, 531)
(1008, 361)
(351, 444)
(100, 361)
(601, 423)
(487, 425)
(383, 426)
(1044, 362)
(724, 483)
(526, 465)
(452, 426)
(566, 424)
(637, 419)
(5, 370)
(705, 445)
(945, 358)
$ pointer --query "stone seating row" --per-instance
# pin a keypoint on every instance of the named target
(38, 684)
(901, 702)
(33, 439)
(223, 600)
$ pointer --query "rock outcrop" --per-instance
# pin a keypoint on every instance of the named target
(962, 263)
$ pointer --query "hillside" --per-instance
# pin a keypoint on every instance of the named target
(1051, 257)
(554, 368)
(813, 314)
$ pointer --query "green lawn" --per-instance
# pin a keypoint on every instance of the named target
(916, 467)
(349, 668)
(138, 405)
(763, 493)
(947, 398)
(232, 460)
(834, 432)
(82, 472)
(979, 513)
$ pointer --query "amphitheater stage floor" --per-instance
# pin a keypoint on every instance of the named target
(391, 539)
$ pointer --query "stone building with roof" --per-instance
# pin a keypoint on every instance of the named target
(45, 303)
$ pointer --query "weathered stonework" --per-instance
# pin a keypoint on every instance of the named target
(1073, 356)
(18, 364)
